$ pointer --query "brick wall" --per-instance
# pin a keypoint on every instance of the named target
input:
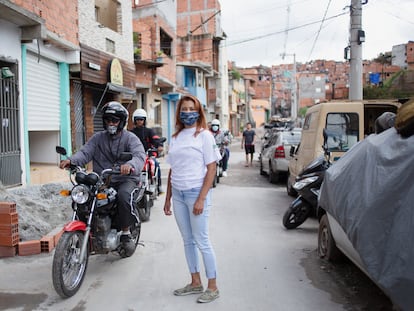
(61, 17)
(149, 28)
(91, 34)
(144, 29)
(191, 14)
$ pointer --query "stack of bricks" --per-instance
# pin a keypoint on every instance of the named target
(10, 244)
(9, 229)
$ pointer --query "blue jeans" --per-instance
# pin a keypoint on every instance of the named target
(194, 230)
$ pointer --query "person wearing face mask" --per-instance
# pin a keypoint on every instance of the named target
(104, 149)
(192, 156)
(148, 139)
(222, 141)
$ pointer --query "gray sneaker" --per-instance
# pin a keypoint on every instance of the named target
(188, 290)
(209, 295)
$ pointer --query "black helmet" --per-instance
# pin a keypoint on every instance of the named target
(384, 122)
(115, 110)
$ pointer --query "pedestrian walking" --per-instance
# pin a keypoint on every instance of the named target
(248, 141)
(192, 156)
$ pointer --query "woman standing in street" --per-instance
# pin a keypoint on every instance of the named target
(192, 157)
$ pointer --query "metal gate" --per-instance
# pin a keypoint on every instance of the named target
(10, 166)
(79, 113)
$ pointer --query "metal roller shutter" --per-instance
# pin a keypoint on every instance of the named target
(42, 94)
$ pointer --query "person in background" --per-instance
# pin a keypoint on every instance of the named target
(248, 141)
(104, 149)
(229, 137)
(192, 156)
(222, 141)
(148, 138)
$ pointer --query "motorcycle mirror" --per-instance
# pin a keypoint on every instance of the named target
(61, 150)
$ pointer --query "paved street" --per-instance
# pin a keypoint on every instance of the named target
(261, 265)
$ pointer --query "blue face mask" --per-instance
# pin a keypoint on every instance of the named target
(189, 118)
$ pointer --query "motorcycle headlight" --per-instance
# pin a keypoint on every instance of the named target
(304, 182)
(80, 194)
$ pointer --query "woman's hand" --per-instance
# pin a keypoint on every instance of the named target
(198, 207)
(167, 207)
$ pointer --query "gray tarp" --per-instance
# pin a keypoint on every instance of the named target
(370, 192)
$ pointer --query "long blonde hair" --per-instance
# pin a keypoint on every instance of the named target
(201, 122)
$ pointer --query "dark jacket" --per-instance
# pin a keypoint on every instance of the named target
(147, 137)
(104, 150)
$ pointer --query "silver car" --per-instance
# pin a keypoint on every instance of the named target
(275, 154)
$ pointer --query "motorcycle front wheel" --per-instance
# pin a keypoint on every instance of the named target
(67, 272)
(296, 214)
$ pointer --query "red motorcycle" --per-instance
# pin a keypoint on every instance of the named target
(93, 228)
(151, 182)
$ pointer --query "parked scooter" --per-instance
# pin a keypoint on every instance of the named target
(307, 185)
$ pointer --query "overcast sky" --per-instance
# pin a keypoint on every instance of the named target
(256, 33)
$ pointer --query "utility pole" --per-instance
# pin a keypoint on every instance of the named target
(357, 37)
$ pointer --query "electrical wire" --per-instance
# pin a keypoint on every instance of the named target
(320, 28)
(283, 31)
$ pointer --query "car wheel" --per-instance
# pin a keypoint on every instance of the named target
(273, 177)
(289, 187)
(327, 248)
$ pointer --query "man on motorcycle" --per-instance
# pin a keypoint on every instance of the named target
(147, 137)
(104, 149)
(222, 141)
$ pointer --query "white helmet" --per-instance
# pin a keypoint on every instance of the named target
(215, 122)
(215, 125)
(139, 114)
